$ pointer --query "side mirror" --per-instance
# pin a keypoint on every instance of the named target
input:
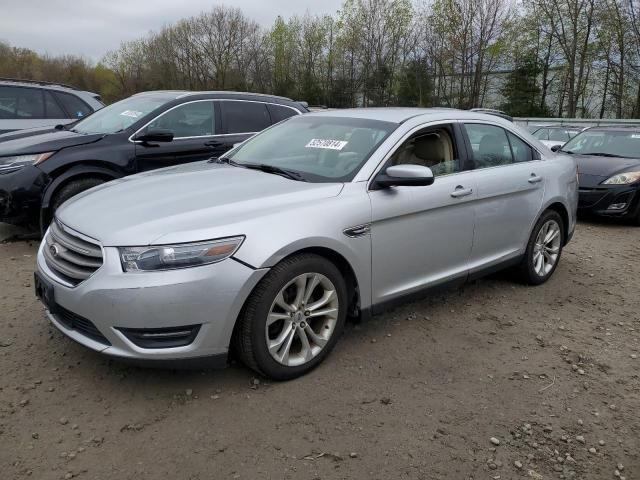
(155, 135)
(555, 148)
(405, 176)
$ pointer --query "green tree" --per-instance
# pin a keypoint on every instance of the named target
(522, 92)
(416, 86)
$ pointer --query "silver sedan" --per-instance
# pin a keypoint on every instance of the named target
(266, 251)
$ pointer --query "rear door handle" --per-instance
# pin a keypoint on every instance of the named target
(214, 143)
(460, 192)
(535, 178)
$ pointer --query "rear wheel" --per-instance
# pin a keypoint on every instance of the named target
(293, 318)
(544, 249)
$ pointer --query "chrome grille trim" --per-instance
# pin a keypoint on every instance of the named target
(72, 258)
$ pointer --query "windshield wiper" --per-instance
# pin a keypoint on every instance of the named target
(603, 154)
(570, 152)
(224, 160)
(276, 170)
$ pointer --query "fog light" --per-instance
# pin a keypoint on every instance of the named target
(617, 206)
(172, 337)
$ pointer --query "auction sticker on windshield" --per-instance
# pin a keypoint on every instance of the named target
(325, 143)
(131, 113)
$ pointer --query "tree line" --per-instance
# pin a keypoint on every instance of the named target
(571, 58)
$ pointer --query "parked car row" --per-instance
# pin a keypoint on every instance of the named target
(266, 249)
(39, 172)
(282, 223)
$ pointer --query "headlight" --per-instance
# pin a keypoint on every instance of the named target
(170, 257)
(623, 178)
(18, 161)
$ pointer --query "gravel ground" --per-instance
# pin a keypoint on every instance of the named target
(496, 380)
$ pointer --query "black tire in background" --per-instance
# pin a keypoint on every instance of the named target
(69, 190)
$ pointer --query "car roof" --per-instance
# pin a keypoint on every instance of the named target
(402, 114)
(616, 128)
(176, 94)
(16, 82)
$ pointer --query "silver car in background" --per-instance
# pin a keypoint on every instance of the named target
(269, 249)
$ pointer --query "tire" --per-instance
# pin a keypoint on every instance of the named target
(279, 288)
(71, 189)
(531, 271)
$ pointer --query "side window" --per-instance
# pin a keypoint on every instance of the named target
(521, 151)
(51, 107)
(8, 102)
(489, 145)
(75, 107)
(30, 103)
(434, 148)
(558, 135)
(542, 134)
(244, 117)
(280, 112)
(189, 120)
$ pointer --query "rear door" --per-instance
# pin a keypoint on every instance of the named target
(510, 181)
(193, 125)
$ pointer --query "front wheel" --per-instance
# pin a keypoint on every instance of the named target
(544, 249)
(293, 318)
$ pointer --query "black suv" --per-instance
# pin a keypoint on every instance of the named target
(143, 132)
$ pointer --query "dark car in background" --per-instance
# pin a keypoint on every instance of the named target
(146, 131)
(40, 106)
(608, 170)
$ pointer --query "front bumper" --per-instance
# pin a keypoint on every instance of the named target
(21, 194)
(209, 296)
(610, 201)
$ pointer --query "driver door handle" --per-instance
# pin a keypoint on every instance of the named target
(460, 192)
(214, 143)
(535, 178)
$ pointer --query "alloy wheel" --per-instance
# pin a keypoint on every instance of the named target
(547, 248)
(302, 319)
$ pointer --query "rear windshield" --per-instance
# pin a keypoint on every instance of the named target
(120, 115)
(619, 143)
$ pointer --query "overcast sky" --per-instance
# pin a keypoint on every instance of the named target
(93, 27)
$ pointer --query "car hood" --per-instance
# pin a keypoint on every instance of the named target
(593, 170)
(50, 141)
(194, 202)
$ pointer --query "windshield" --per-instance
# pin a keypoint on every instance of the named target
(619, 143)
(318, 148)
(120, 115)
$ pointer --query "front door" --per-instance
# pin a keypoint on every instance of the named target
(194, 137)
(422, 236)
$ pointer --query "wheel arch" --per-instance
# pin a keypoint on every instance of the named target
(75, 173)
(561, 210)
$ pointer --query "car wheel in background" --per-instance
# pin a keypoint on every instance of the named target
(293, 318)
(544, 249)
(71, 189)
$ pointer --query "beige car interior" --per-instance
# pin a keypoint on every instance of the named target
(433, 149)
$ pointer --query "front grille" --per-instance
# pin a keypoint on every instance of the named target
(69, 256)
(80, 324)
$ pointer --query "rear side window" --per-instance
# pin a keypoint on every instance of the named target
(280, 112)
(52, 109)
(30, 103)
(75, 107)
(244, 117)
(489, 144)
(8, 102)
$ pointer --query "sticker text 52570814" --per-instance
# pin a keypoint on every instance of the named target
(326, 143)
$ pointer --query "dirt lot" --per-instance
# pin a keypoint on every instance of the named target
(552, 373)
